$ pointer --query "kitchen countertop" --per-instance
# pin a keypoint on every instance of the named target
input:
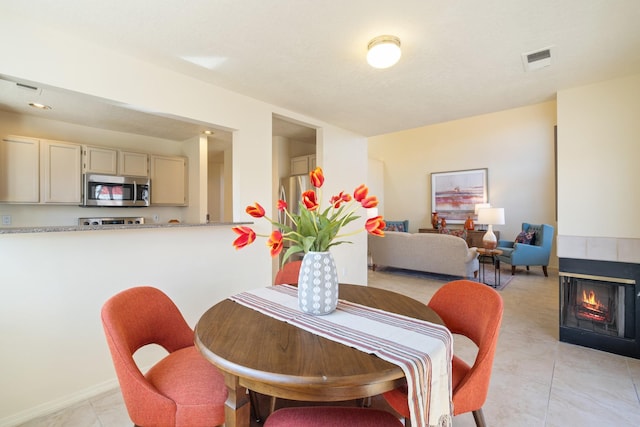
(54, 229)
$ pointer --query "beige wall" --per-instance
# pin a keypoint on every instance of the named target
(599, 147)
(598, 152)
(516, 146)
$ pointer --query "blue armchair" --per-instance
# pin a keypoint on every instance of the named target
(536, 252)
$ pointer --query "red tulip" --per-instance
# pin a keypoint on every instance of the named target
(309, 200)
(255, 211)
(369, 202)
(282, 205)
(375, 226)
(360, 192)
(275, 243)
(317, 177)
(336, 201)
(247, 236)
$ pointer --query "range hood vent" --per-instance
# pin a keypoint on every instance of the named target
(537, 59)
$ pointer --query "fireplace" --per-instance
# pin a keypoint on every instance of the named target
(600, 305)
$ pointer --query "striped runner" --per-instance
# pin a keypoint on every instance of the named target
(422, 349)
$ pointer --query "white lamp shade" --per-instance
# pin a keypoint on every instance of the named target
(384, 51)
(481, 206)
(491, 216)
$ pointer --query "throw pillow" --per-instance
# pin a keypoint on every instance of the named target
(526, 237)
(397, 226)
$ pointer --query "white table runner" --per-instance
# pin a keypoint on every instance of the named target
(422, 349)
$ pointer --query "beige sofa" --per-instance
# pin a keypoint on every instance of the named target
(429, 252)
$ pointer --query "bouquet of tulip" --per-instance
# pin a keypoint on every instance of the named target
(314, 229)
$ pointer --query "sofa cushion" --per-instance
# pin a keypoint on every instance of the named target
(397, 225)
(527, 237)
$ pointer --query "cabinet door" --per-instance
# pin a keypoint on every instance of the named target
(62, 174)
(133, 164)
(299, 165)
(20, 170)
(168, 180)
(100, 160)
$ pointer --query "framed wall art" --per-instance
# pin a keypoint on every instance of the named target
(454, 194)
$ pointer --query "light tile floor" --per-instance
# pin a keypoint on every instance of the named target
(537, 380)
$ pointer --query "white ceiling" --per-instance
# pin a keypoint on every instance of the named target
(460, 58)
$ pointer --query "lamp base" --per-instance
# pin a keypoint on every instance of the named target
(489, 240)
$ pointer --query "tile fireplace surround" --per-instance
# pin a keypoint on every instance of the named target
(604, 263)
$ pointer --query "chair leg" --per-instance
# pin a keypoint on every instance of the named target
(544, 269)
(478, 416)
(513, 270)
(255, 407)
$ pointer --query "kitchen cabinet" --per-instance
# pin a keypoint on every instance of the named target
(100, 160)
(133, 164)
(61, 178)
(168, 180)
(303, 164)
(20, 166)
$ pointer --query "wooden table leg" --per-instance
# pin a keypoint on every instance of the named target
(237, 407)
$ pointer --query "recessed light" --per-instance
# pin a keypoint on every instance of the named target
(207, 132)
(39, 106)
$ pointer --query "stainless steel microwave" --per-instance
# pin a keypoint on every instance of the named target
(115, 191)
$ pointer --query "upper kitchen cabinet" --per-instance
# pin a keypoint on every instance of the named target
(20, 166)
(303, 164)
(61, 172)
(100, 160)
(133, 164)
(168, 180)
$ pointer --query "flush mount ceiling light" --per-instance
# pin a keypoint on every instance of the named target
(39, 106)
(384, 51)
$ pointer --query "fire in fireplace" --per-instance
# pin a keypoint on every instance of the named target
(592, 305)
(600, 305)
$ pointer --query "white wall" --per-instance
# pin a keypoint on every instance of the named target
(53, 284)
(517, 147)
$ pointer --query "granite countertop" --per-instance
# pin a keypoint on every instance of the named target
(54, 229)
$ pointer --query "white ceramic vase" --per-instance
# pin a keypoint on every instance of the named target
(318, 284)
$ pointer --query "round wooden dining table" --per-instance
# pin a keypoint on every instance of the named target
(263, 354)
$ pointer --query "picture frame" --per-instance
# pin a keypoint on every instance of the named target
(454, 194)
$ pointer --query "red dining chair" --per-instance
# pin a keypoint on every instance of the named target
(288, 274)
(182, 389)
(473, 310)
(331, 416)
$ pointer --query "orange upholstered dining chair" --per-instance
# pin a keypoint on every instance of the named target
(331, 416)
(182, 389)
(473, 310)
(288, 274)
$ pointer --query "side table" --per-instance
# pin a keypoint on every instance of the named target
(495, 261)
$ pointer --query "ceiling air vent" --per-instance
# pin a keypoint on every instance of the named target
(35, 90)
(537, 59)
(24, 86)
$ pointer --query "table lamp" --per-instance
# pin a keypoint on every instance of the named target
(478, 207)
(491, 217)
